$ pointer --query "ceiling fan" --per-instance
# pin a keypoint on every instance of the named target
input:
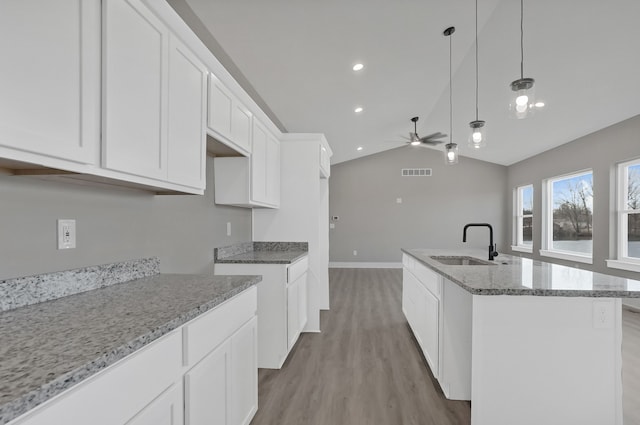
(431, 139)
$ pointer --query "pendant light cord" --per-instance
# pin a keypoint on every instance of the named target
(521, 38)
(476, 60)
(450, 94)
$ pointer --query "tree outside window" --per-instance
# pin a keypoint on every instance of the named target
(571, 209)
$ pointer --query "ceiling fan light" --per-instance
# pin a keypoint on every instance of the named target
(415, 143)
(451, 153)
(478, 134)
(522, 104)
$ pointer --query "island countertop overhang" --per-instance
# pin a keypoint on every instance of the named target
(510, 275)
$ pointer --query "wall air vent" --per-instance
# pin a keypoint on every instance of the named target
(416, 172)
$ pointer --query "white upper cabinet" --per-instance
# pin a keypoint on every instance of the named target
(325, 162)
(259, 163)
(229, 121)
(135, 86)
(273, 171)
(153, 98)
(50, 80)
(187, 115)
(251, 182)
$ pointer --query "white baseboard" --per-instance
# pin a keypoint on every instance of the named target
(363, 265)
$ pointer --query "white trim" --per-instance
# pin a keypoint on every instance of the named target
(623, 265)
(364, 265)
(563, 255)
(522, 248)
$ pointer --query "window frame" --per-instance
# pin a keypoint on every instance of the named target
(547, 249)
(518, 219)
(622, 260)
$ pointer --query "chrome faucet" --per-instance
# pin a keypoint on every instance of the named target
(493, 249)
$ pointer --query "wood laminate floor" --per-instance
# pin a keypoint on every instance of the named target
(365, 367)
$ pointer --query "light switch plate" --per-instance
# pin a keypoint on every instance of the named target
(66, 234)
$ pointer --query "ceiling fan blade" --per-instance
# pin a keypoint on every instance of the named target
(437, 135)
(431, 142)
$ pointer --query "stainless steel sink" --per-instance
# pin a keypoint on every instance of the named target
(452, 260)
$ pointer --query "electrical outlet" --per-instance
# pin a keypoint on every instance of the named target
(355, 252)
(66, 234)
(398, 200)
(228, 228)
(603, 313)
(332, 225)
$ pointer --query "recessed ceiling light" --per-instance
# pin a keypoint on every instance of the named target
(359, 148)
(539, 104)
(358, 67)
(358, 110)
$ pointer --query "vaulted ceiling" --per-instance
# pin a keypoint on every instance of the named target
(298, 56)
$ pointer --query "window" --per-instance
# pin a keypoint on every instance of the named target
(628, 217)
(568, 217)
(523, 219)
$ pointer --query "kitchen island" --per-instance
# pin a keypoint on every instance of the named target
(527, 342)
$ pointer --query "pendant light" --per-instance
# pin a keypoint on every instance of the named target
(522, 102)
(451, 149)
(478, 134)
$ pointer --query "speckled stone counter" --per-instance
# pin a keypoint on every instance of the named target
(49, 347)
(261, 253)
(509, 275)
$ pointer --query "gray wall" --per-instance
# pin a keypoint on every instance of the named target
(363, 193)
(599, 151)
(112, 225)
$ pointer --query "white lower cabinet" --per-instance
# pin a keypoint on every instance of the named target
(422, 306)
(222, 389)
(439, 314)
(150, 387)
(282, 306)
(244, 374)
(207, 398)
(164, 410)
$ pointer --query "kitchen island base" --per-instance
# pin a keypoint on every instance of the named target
(522, 354)
(546, 360)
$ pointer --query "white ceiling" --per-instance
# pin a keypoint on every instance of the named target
(297, 55)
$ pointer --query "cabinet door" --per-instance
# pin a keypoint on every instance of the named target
(135, 64)
(259, 163)
(50, 78)
(273, 171)
(429, 328)
(187, 127)
(302, 302)
(293, 317)
(165, 410)
(244, 373)
(241, 121)
(207, 399)
(220, 108)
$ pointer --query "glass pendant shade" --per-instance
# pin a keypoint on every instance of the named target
(451, 153)
(478, 134)
(522, 104)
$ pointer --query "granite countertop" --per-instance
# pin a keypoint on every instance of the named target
(261, 253)
(51, 346)
(510, 275)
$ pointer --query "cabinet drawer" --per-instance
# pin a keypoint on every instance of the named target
(206, 332)
(429, 279)
(297, 269)
(116, 394)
